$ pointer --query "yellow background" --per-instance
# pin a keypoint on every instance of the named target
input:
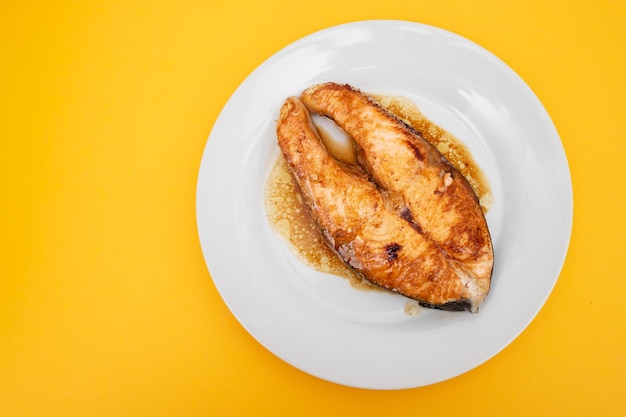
(106, 305)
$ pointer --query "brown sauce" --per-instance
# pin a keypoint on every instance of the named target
(286, 211)
(288, 216)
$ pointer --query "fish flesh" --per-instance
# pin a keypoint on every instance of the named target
(437, 199)
(359, 221)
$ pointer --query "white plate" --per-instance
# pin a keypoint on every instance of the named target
(319, 323)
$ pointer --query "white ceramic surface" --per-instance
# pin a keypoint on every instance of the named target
(319, 323)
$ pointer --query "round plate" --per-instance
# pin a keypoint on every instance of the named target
(319, 323)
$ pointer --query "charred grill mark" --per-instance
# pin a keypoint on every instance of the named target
(392, 250)
(418, 228)
(406, 214)
(416, 151)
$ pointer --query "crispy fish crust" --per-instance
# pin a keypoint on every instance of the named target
(437, 198)
(360, 223)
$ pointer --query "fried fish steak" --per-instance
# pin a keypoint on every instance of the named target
(360, 223)
(436, 197)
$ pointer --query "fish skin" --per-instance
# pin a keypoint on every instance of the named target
(362, 227)
(437, 197)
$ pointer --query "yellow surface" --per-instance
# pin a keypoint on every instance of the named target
(106, 306)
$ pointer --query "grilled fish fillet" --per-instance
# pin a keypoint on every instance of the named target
(360, 222)
(438, 200)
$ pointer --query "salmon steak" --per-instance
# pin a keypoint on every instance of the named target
(436, 197)
(368, 224)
